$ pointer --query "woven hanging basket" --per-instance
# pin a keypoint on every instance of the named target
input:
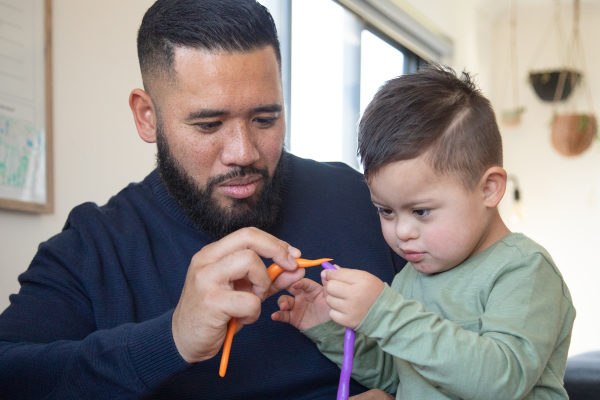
(572, 134)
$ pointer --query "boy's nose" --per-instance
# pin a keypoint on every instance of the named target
(406, 232)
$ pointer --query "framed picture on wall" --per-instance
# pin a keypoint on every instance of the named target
(26, 179)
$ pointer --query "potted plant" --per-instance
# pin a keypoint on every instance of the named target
(572, 134)
(547, 84)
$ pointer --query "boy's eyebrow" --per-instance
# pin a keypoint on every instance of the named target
(373, 200)
(410, 204)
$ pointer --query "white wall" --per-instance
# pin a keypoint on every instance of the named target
(562, 194)
(471, 28)
(97, 149)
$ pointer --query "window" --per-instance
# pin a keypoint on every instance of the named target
(379, 62)
(337, 63)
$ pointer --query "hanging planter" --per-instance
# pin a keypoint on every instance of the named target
(547, 84)
(511, 116)
(572, 131)
(572, 134)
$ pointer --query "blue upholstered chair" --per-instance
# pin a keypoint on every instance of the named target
(582, 377)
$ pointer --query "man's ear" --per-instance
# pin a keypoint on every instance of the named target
(493, 184)
(144, 115)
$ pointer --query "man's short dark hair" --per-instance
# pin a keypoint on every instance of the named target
(435, 113)
(219, 25)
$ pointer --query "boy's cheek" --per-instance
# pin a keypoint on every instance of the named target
(390, 236)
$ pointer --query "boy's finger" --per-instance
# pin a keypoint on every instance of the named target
(340, 318)
(306, 285)
(286, 302)
(281, 316)
(349, 276)
(338, 289)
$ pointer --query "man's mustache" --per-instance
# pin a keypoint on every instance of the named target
(237, 172)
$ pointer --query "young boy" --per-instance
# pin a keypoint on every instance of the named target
(480, 312)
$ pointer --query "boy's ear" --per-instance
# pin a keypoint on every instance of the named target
(493, 184)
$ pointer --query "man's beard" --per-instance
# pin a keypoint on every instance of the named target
(200, 205)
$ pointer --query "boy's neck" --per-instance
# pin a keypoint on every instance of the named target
(497, 229)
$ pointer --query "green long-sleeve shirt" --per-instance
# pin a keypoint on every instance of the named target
(498, 326)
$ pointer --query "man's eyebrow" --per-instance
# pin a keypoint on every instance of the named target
(269, 109)
(200, 114)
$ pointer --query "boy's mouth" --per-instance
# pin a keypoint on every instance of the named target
(413, 256)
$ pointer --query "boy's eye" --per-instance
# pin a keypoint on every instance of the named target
(421, 212)
(384, 212)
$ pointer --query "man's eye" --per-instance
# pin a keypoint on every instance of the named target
(384, 212)
(421, 212)
(209, 126)
(265, 122)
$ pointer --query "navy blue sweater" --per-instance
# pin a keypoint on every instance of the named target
(93, 316)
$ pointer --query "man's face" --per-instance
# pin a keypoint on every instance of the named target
(221, 130)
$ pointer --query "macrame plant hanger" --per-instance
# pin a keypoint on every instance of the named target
(545, 81)
(573, 131)
(511, 117)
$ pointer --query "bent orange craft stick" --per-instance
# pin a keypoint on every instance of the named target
(274, 270)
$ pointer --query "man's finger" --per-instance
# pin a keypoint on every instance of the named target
(284, 280)
(264, 244)
(243, 264)
(243, 306)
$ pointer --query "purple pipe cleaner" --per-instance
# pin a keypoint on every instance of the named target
(348, 360)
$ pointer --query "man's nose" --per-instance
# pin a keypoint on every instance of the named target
(239, 147)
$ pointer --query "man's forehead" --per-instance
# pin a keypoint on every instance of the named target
(222, 81)
(209, 59)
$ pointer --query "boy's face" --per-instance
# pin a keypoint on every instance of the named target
(431, 220)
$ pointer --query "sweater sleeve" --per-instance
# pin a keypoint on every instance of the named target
(519, 329)
(372, 367)
(50, 346)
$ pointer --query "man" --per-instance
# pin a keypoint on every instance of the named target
(132, 299)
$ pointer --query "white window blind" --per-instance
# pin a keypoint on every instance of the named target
(400, 22)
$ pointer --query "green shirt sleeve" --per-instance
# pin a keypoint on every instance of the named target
(521, 321)
(372, 367)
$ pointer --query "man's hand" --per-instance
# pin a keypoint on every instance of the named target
(306, 309)
(218, 286)
(373, 394)
(350, 294)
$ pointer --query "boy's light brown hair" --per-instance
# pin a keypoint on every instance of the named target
(435, 113)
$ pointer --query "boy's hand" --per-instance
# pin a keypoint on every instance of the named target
(350, 294)
(306, 309)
